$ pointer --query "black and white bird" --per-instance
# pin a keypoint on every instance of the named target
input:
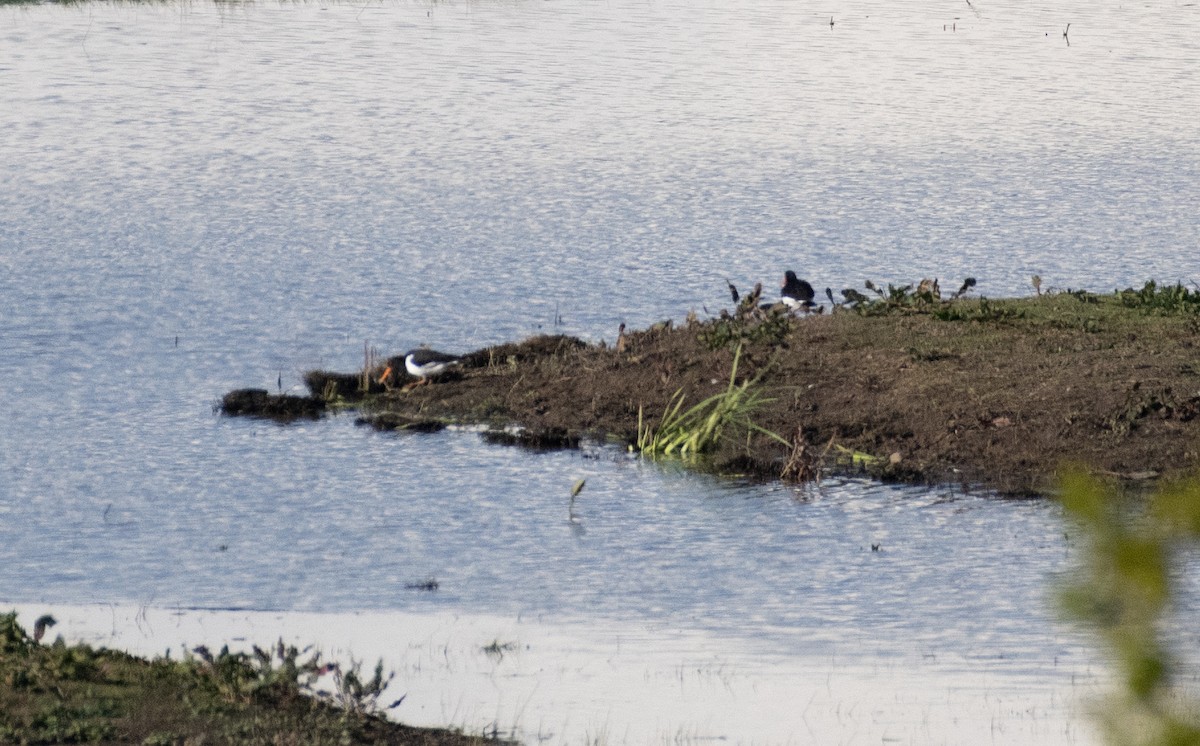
(422, 363)
(425, 363)
(796, 293)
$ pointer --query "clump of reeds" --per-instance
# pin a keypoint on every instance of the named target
(689, 433)
(370, 363)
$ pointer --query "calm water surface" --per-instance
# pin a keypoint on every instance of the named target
(198, 197)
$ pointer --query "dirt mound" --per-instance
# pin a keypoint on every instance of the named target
(993, 393)
(998, 394)
(261, 403)
(549, 439)
(349, 387)
(515, 353)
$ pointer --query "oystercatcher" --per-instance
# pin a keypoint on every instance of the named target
(422, 363)
(796, 293)
(425, 363)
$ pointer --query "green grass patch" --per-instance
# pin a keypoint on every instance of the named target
(1162, 299)
(61, 693)
(690, 433)
(926, 298)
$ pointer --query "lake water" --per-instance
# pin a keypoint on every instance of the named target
(203, 196)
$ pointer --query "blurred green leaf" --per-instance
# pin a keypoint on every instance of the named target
(1121, 591)
(1178, 508)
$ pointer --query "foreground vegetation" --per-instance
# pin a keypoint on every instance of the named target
(58, 693)
(1134, 551)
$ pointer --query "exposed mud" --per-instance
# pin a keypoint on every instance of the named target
(998, 394)
(261, 403)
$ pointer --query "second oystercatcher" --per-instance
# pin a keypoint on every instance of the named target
(796, 293)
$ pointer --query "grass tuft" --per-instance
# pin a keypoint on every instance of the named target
(688, 434)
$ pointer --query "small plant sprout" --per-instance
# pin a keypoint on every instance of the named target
(497, 649)
(575, 493)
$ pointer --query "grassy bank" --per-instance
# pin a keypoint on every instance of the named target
(906, 384)
(56, 693)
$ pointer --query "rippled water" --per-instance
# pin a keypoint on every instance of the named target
(198, 197)
(284, 518)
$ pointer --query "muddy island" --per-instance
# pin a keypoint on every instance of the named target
(906, 384)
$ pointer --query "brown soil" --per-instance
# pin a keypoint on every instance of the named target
(998, 395)
(261, 403)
